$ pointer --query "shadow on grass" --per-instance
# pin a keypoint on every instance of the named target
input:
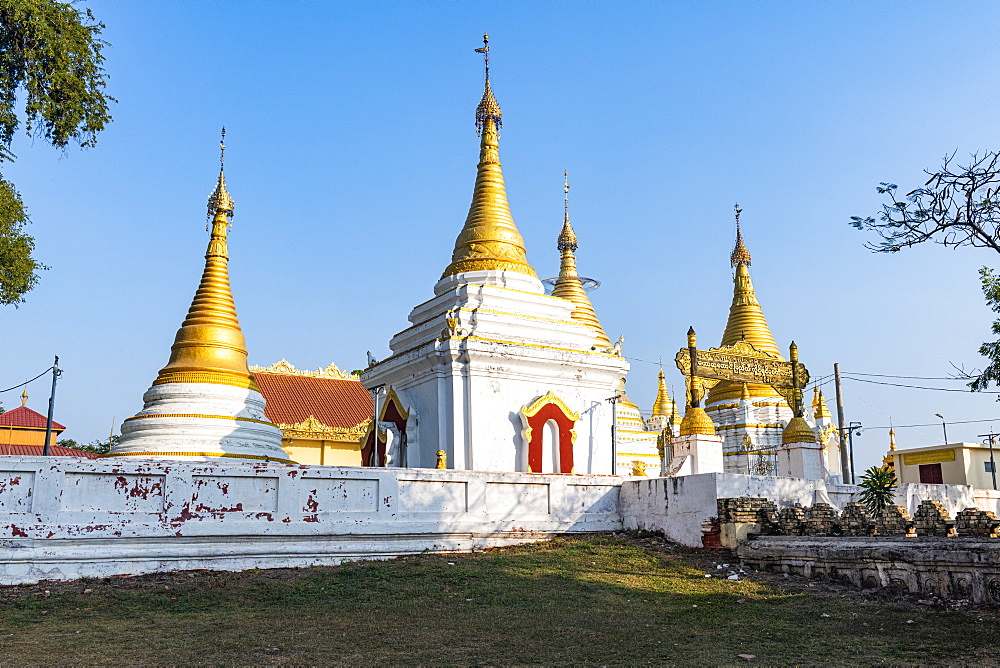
(594, 600)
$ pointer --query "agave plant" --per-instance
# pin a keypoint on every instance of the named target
(878, 489)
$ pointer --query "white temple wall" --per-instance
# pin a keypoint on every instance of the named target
(678, 506)
(66, 519)
(468, 403)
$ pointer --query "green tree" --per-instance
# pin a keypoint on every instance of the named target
(50, 61)
(98, 446)
(959, 205)
(878, 489)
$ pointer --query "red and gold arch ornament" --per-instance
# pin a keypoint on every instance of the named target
(534, 416)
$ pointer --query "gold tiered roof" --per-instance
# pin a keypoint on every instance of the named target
(489, 239)
(663, 405)
(209, 346)
(568, 285)
(746, 323)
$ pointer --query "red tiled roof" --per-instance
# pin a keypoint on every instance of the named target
(335, 403)
(16, 450)
(22, 416)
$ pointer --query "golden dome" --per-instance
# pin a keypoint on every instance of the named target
(568, 285)
(696, 421)
(798, 431)
(209, 346)
(489, 239)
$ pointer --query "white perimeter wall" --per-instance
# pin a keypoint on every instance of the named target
(63, 518)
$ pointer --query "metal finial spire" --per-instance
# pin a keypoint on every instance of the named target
(566, 194)
(740, 254)
(736, 207)
(488, 107)
(567, 237)
(220, 201)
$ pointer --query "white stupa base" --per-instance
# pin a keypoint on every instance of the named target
(200, 422)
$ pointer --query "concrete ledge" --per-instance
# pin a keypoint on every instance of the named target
(951, 568)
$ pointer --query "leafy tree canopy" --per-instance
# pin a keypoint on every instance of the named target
(50, 59)
(959, 205)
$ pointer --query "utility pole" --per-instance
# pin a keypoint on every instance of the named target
(614, 431)
(993, 464)
(56, 372)
(846, 465)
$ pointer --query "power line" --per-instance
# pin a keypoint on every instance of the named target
(915, 387)
(884, 375)
(27, 381)
(929, 424)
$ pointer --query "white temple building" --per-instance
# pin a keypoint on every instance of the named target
(491, 370)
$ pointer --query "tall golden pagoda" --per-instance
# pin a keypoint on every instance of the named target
(746, 323)
(568, 285)
(204, 404)
(489, 239)
(209, 346)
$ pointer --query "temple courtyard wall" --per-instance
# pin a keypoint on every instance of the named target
(65, 519)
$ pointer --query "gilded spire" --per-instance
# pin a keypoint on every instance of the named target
(568, 285)
(220, 201)
(489, 239)
(892, 439)
(820, 409)
(746, 319)
(663, 405)
(209, 346)
(740, 254)
(746, 322)
(24, 398)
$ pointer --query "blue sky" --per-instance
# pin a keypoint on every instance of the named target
(352, 151)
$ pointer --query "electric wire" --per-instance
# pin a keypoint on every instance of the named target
(27, 381)
(914, 387)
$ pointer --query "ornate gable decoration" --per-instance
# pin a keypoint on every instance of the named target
(285, 368)
(549, 398)
(313, 428)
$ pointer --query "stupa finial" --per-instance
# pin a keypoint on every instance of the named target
(488, 107)
(220, 201)
(489, 240)
(740, 254)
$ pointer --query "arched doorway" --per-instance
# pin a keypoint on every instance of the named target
(548, 420)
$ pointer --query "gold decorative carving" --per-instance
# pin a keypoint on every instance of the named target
(195, 415)
(285, 368)
(263, 458)
(442, 460)
(742, 363)
(210, 377)
(549, 397)
(313, 428)
(638, 468)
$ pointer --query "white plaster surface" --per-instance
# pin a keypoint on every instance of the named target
(192, 429)
(487, 344)
(67, 519)
(678, 506)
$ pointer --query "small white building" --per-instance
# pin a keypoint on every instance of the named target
(951, 464)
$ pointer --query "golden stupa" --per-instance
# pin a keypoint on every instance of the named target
(489, 239)
(568, 285)
(746, 323)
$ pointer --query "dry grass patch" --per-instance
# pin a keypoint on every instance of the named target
(589, 600)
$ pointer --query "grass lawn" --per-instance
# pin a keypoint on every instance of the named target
(593, 600)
